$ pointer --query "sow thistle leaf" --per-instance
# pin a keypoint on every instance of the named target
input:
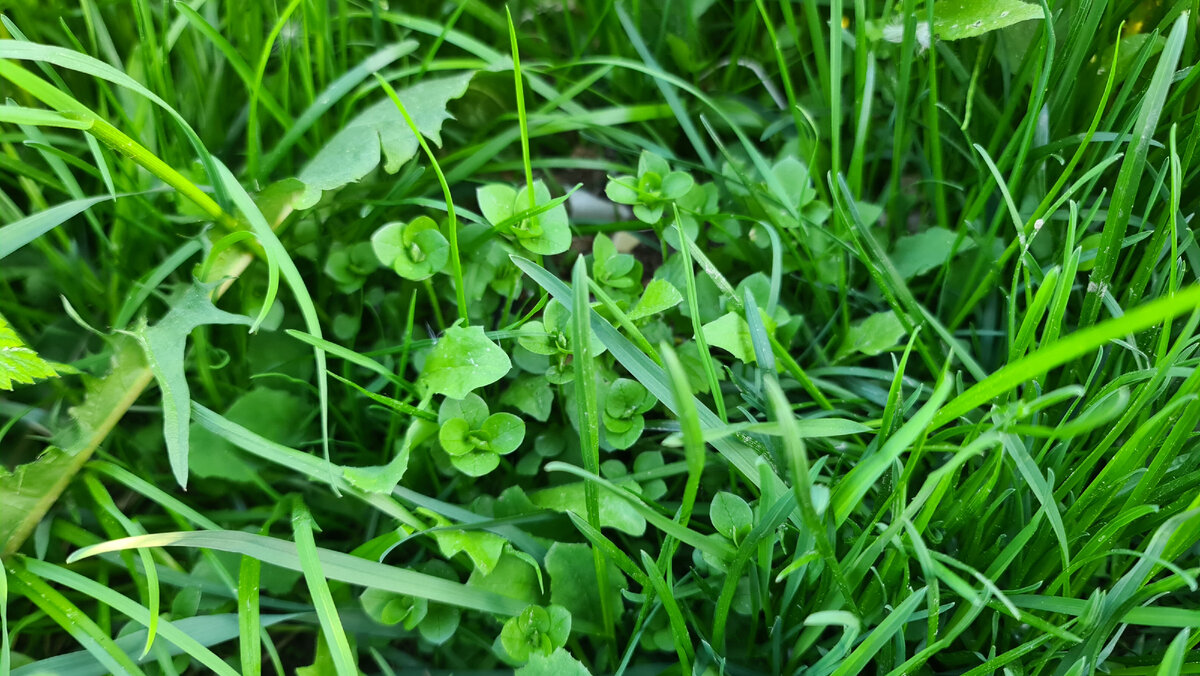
(380, 131)
(463, 360)
(18, 363)
(164, 345)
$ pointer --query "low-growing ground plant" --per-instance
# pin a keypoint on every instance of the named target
(679, 337)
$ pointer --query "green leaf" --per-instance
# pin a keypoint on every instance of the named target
(959, 19)
(273, 414)
(390, 608)
(559, 663)
(573, 584)
(496, 202)
(475, 463)
(731, 515)
(164, 345)
(547, 233)
(614, 512)
(16, 235)
(472, 409)
(731, 333)
(18, 363)
(531, 395)
(463, 360)
(440, 623)
(504, 432)
(917, 254)
(873, 335)
(512, 578)
(536, 631)
(356, 150)
(336, 566)
(659, 296)
(415, 250)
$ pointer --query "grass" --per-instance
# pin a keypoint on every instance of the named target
(600, 337)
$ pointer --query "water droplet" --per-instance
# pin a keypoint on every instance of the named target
(1003, 14)
(977, 24)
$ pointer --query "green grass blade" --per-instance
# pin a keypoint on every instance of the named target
(1067, 349)
(1129, 179)
(335, 566)
(140, 614)
(318, 587)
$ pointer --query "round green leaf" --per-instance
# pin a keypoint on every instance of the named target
(504, 432)
(455, 437)
(730, 515)
(475, 463)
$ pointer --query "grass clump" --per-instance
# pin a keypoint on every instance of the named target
(599, 337)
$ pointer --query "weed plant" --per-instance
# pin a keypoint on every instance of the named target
(679, 337)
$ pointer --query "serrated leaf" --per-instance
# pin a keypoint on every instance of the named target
(164, 345)
(18, 363)
(462, 360)
(381, 132)
(483, 548)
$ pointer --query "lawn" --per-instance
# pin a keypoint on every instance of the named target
(599, 337)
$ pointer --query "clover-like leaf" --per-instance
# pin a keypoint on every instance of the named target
(536, 631)
(464, 359)
(496, 201)
(622, 189)
(455, 437)
(677, 184)
(416, 250)
(546, 232)
(531, 395)
(388, 607)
